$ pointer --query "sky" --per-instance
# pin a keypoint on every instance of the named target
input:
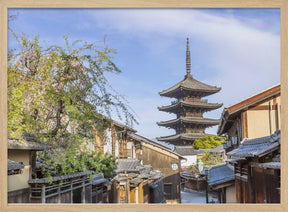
(235, 49)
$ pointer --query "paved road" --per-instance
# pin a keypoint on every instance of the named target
(189, 196)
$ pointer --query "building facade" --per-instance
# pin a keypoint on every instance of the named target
(257, 169)
(163, 159)
(253, 117)
(21, 168)
(253, 145)
(189, 107)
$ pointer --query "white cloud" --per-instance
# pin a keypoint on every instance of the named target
(242, 58)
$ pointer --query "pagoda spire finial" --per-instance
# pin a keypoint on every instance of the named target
(188, 63)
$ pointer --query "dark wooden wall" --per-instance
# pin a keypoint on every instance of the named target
(163, 162)
(19, 196)
(258, 186)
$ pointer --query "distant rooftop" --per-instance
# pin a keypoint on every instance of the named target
(220, 174)
(189, 150)
(257, 146)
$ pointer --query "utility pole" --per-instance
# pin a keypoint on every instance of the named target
(206, 176)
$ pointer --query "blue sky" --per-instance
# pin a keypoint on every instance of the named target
(236, 49)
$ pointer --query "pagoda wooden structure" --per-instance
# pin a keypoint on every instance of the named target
(189, 108)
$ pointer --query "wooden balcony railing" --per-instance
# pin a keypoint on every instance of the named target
(125, 153)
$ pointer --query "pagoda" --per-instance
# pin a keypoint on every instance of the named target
(189, 108)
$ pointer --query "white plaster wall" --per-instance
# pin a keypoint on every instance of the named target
(116, 147)
(108, 142)
(231, 194)
(19, 181)
(190, 160)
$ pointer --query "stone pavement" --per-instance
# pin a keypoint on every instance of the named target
(189, 196)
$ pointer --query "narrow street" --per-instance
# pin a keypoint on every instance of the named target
(189, 196)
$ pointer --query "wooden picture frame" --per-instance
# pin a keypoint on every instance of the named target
(6, 4)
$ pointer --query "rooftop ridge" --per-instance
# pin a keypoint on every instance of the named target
(255, 94)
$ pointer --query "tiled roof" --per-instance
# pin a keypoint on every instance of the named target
(26, 145)
(58, 178)
(144, 169)
(189, 150)
(189, 83)
(138, 176)
(13, 165)
(202, 105)
(186, 136)
(157, 144)
(217, 149)
(270, 165)
(220, 174)
(257, 146)
(190, 120)
(98, 179)
(127, 164)
(146, 140)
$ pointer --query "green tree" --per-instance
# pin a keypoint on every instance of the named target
(208, 142)
(60, 94)
(212, 158)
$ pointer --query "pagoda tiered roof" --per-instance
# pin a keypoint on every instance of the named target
(204, 106)
(189, 108)
(189, 120)
(182, 136)
(193, 86)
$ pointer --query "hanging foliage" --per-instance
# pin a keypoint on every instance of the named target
(60, 95)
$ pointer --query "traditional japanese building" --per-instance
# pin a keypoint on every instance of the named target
(189, 107)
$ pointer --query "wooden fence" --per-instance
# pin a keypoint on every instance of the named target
(74, 188)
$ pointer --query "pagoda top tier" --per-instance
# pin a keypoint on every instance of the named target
(189, 86)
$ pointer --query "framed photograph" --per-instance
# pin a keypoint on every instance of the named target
(145, 105)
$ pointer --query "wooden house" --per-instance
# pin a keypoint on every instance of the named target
(21, 167)
(115, 141)
(250, 147)
(257, 169)
(137, 184)
(161, 158)
(123, 143)
(253, 117)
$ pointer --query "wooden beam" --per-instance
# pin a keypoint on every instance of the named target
(270, 117)
(245, 124)
(263, 107)
(113, 141)
(278, 116)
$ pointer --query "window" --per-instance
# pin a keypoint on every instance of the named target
(167, 188)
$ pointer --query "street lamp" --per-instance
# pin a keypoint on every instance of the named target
(200, 165)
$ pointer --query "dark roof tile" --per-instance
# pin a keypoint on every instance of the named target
(26, 145)
(257, 146)
(220, 174)
(13, 165)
